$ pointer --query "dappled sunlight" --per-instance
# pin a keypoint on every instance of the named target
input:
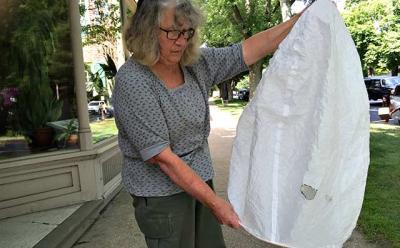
(389, 130)
(376, 126)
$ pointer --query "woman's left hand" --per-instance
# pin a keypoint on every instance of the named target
(224, 213)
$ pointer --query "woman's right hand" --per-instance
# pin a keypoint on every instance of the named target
(183, 176)
(224, 213)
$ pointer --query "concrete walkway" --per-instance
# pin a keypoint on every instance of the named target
(116, 226)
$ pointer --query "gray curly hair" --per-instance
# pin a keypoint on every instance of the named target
(141, 34)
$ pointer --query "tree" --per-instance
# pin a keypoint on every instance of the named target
(104, 30)
(105, 27)
(231, 21)
(95, 84)
(285, 9)
(375, 28)
(110, 70)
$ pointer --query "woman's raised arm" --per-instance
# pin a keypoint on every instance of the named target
(266, 42)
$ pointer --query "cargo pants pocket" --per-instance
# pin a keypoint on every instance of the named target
(152, 223)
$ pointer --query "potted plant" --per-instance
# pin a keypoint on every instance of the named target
(36, 106)
(69, 135)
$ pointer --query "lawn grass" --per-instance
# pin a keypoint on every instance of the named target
(380, 216)
(234, 107)
(102, 130)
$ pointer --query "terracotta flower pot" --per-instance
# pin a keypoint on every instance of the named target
(72, 140)
(43, 137)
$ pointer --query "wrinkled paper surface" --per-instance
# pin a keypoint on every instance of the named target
(300, 158)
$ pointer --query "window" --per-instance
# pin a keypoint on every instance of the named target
(376, 83)
(391, 82)
(38, 111)
(37, 99)
(386, 83)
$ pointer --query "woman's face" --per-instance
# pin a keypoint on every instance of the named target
(171, 51)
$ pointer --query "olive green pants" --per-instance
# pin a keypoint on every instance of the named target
(177, 221)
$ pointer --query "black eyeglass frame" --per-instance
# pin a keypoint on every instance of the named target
(187, 34)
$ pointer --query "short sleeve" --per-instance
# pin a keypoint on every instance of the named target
(138, 115)
(223, 63)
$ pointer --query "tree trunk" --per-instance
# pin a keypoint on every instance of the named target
(232, 87)
(371, 71)
(229, 90)
(223, 90)
(254, 77)
(395, 70)
(285, 9)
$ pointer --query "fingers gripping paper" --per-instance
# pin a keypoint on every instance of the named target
(300, 158)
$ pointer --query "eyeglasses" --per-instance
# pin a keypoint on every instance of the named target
(175, 34)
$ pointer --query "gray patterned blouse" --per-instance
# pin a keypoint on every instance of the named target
(151, 117)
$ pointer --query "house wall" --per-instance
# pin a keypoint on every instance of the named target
(52, 180)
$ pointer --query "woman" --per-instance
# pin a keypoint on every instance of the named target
(394, 107)
(161, 111)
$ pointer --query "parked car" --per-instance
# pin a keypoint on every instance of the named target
(244, 94)
(379, 86)
(94, 106)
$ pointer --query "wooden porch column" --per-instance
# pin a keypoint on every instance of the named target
(85, 135)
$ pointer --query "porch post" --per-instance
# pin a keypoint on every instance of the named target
(85, 135)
